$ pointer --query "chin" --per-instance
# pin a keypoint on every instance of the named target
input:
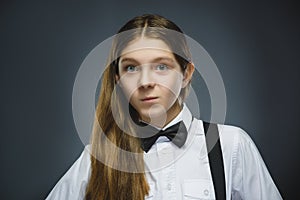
(153, 112)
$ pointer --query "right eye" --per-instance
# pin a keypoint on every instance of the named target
(131, 68)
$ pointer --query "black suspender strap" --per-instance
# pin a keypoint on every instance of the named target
(215, 158)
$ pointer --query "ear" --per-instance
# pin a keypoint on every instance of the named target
(188, 73)
(117, 78)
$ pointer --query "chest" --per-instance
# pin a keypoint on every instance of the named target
(184, 173)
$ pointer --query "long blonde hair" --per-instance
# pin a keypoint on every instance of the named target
(107, 182)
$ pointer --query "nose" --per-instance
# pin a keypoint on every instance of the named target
(146, 79)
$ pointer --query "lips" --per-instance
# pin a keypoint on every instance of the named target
(149, 99)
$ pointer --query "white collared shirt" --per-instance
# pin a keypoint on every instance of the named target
(184, 173)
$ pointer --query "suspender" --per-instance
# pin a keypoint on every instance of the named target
(215, 158)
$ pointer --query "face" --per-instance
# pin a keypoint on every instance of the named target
(151, 79)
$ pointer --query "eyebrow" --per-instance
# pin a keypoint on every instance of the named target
(152, 61)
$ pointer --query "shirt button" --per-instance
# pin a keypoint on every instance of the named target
(169, 186)
(206, 192)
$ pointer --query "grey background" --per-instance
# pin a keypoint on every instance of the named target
(255, 44)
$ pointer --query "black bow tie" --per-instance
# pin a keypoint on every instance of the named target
(176, 133)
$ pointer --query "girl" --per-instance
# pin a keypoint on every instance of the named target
(145, 142)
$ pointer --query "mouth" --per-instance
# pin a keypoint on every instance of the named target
(149, 99)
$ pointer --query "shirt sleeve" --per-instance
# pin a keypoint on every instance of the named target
(72, 185)
(251, 179)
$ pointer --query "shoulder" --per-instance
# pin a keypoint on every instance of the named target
(233, 134)
(230, 130)
(247, 169)
(235, 141)
(238, 146)
(81, 166)
(72, 184)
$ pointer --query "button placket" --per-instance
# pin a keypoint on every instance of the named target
(170, 177)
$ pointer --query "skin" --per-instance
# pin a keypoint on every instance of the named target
(152, 79)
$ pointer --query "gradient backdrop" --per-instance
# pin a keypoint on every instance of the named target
(255, 45)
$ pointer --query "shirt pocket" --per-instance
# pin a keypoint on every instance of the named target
(198, 189)
(151, 192)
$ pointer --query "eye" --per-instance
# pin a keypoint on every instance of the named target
(162, 67)
(131, 68)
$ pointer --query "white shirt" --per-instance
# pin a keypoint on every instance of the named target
(184, 173)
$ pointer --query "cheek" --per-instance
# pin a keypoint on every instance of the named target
(173, 84)
(128, 88)
(129, 95)
(170, 96)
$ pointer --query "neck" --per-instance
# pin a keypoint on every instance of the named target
(162, 121)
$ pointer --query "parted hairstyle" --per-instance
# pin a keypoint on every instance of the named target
(107, 181)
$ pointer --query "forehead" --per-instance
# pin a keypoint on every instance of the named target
(146, 48)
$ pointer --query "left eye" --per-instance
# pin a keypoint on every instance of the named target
(161, 67)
